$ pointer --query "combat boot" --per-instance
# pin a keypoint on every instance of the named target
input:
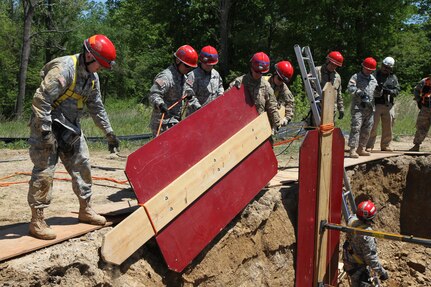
(352, 153)
(360, 151)
(388, 148)
(88, 215)
(38, 227)
(415, 147)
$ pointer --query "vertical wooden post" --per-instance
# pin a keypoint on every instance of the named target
(324, 185)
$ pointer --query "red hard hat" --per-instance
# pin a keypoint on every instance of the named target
(102, 49)
(369, 64)
(187, 55)
(366, 210)
(284, 70)
(260, 63)
(335, 58)
(208, 55)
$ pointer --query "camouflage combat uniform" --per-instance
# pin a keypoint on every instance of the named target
(284, 97)
(334, 78)
(388, 88)
(205, 86)
(362, 115)
(168, 88)
(64, 122)
(422, 94)
(360, 251)
(262, 95)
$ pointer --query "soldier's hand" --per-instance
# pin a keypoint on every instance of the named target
(384, 275)
(419, 105)
(164, 110)
(113, 142)
(340, 115)
(285, 122)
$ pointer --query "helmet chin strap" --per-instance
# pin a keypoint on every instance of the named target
(85, 59)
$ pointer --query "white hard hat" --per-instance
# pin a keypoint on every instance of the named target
(389, 61)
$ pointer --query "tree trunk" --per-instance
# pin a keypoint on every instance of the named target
(29, 6)
(225, 6)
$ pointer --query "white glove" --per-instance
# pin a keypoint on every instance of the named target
(284, 122)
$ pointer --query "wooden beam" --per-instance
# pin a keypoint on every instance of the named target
(324, 183)
(174, 198)
(119, 243)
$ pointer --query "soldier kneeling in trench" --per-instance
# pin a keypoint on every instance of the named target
(360, 251)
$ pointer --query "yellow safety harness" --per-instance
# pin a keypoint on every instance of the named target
(70, 91)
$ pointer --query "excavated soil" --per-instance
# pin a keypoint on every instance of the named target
(256, 249)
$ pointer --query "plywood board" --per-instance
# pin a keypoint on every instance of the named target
(15, 241)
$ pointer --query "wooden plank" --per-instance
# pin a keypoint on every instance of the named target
(183, 191)
(185, 237)
(15, 241)
(324, 183)
(119, 243)
(308, 160)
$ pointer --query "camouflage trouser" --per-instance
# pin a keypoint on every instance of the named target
(422, 125)
(387, 114)
(360, 278)
(76, 162)
(360, 127)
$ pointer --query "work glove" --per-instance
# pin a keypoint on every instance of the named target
(384, 275)
(164, 110)
(49, 140)
(284, 122)
(365, 99)
(113, 142)
(419, 105)
(340, 115)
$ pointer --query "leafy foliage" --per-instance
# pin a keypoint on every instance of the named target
(147, 33)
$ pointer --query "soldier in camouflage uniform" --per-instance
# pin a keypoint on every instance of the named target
(204, 82)
(285, 100)
(168, 89)
(361, 86)
(388, 88)
(68, 83)
(360, 251)
(259, 89)
(422, 94)
(327, 73)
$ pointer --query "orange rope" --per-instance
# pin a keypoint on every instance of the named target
(287, 141)
(9, 183)
(327, 128)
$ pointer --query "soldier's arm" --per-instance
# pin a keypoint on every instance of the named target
(351, 86)
(288, 102)
(97, 109)
(158, 90)
(369, 250)
(220, 90)
(54, 84)
(417, 90)
(340, 101)
(271, 108)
